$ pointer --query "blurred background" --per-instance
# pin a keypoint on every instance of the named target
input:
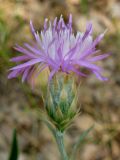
(99, 101)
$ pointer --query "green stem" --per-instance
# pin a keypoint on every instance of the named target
(60, 143)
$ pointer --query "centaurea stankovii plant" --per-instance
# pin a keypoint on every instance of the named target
(64, 53)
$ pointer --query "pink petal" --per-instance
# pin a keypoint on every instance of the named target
(29, 63)
(19, 58)
(99, 57)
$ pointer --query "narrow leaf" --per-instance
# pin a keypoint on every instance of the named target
(14, 148)
(79, 141)
(51, 128)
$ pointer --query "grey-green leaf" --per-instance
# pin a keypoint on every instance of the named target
(79, 141)
(50, 127)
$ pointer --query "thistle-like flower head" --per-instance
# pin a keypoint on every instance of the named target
(58, 48)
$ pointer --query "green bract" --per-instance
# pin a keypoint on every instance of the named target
(61, 101)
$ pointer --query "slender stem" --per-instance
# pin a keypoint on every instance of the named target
(60, 142)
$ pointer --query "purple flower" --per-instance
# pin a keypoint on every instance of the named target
(56, 47)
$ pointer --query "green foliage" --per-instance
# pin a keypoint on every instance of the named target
(84, 6)
(4, 34)
(7, 35)
(14, 147)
